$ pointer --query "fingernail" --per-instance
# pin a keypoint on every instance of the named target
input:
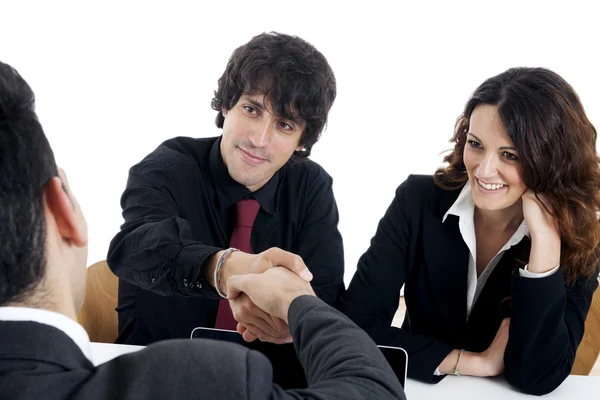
(306, 275)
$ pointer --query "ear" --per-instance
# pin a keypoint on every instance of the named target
(66, 212)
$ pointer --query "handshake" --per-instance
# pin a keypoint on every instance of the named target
(260, 288)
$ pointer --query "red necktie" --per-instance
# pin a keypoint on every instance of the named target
(246, 211)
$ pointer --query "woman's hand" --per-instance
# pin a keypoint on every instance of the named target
(545, 237)
(487, 363)
(539, 221)
(493, 358)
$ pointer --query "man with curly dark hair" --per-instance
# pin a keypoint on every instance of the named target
(46, 354)
(198, 211)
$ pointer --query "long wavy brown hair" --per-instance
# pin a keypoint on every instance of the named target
(557, 149)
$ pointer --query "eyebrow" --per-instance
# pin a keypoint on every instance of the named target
(501, 148)
(262, 107)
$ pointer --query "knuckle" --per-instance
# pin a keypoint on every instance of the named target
(299, 261)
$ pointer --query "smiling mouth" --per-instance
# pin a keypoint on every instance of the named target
(251, 157)
(491, 186)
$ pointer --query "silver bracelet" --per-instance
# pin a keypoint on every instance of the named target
(219, 267)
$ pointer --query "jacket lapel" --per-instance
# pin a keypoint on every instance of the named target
(447, 260)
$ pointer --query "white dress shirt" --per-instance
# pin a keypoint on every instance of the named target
(56, 320)
(464, 209)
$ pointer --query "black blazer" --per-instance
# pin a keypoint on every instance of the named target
(38, 361)
(412, 247)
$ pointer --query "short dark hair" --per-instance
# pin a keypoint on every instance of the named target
(294, 76)
(556, 142)
(26, 166)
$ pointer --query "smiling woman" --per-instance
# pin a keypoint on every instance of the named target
(497, 249)
(491, 163)
(536, 112)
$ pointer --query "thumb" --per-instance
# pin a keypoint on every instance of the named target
(293, 262)
(236, 285)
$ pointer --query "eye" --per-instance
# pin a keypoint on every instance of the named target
(285, 126)
(250, 110)
(474, 144)
(509, 156)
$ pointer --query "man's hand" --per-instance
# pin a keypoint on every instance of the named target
(240, 263)
(272, 291)
(253, 322)
(257, 324)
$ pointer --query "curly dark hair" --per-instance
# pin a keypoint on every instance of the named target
(557, 149)
(27, 165)
(288, 70)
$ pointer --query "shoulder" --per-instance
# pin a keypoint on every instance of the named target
(417, 188)
(304, 176)
(305, 168)
(180, 151)
(211, 351)
(215, 368)
(420, 183)
(421, 192)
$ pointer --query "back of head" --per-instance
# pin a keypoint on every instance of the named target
(288, 70)
(26, 165)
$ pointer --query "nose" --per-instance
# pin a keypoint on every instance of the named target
(260, 134)
(488, 168)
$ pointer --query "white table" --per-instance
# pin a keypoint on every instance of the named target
(103, 352)
(450, 388)
(471, 388)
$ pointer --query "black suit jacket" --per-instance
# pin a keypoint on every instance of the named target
(38, 361)
(413, 247)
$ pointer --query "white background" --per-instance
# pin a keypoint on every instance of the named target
(115, 79)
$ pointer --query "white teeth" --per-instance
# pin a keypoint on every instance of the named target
(490, 186)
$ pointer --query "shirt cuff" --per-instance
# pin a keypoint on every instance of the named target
(437, 372)
(528, 274)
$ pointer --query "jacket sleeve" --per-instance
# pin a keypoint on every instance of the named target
(374, 292)
(339, 358)
(546, 327)
(155, 249)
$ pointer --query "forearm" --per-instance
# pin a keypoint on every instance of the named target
(545, 253)
(544, 333)
(470, 364)
(332, 349)
(161, 257)
(235, 263)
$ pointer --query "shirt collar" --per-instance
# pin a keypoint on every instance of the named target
(59, 321)
(464, 208)
(229, 191)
